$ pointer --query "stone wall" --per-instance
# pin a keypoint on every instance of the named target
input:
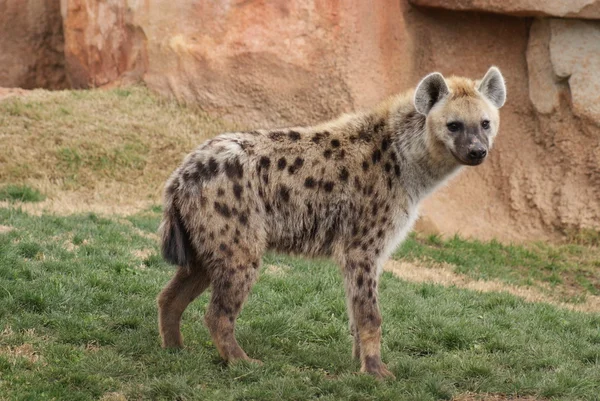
(287, 62)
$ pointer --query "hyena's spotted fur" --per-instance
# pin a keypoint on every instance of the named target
(347, 189)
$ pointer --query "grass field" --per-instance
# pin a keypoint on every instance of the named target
(79, 322)
(77, 290)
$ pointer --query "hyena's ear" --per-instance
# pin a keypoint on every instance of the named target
(430, 90)
(493, 88)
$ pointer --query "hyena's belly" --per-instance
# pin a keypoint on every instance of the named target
(307, 228)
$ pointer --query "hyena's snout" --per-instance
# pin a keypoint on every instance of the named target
(476, 153)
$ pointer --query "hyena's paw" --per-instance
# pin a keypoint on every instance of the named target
(375, 367)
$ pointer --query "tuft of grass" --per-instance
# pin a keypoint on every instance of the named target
(20, 193)
(79, 294)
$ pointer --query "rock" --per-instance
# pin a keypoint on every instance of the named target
(102, 45)
(587, 9)
(31, 44)
(545, 87)
(575, 56)
(563, 58)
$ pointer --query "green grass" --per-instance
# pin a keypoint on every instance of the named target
(74, 293)
(573, 267)
(20, 193)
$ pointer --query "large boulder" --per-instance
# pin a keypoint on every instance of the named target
(587, 9)
(31, 44)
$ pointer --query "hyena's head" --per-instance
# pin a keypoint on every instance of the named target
(462, 114)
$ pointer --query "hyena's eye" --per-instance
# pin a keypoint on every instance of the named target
(485, 124)
(454, 126)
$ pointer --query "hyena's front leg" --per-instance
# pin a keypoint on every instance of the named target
(231, 285)
(360, 280)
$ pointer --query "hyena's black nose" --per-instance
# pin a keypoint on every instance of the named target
(477, 153)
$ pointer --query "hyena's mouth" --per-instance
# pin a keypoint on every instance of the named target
(470, 161)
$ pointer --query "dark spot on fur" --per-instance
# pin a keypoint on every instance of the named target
(212, 169)
(243, 218)
(327, 153)
(376, 156)
(385, 144)
(237, 190)
(234, 169)
(225, 249)
(364, 135)
(299, 162)
(265, 178)
(255, 265)
(220, 192)
(264, 162)
(328, 186)
(222, 209)
(344, 174)
(342, 154)
(293, 135)
(389, 183)
(370, 294)
(284, 193)
(379, 126)
(397, 170)
(387, 167)
(357, 183)
(276, 135)
(281, 163)
(380, 234)
(375, 209)
(335, 143)
(359, 281)
(309, 182)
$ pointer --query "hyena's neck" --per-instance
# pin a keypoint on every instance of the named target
(425, 164)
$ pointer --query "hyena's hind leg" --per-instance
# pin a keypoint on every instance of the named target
(184, 287)
(231, 285)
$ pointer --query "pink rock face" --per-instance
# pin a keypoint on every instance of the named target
(31, 44)
(589, 9)
(276, 63)
(101, 44)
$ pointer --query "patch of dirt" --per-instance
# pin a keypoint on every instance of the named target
(8, 92)
(5, 229)
(22, 351)
(277, 270)
(109, 200)
(113, 396)
(142, 253)
(443, 274)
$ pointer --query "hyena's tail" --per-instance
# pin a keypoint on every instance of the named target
(177, 245)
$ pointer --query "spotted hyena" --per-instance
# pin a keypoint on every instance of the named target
(348, 189)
